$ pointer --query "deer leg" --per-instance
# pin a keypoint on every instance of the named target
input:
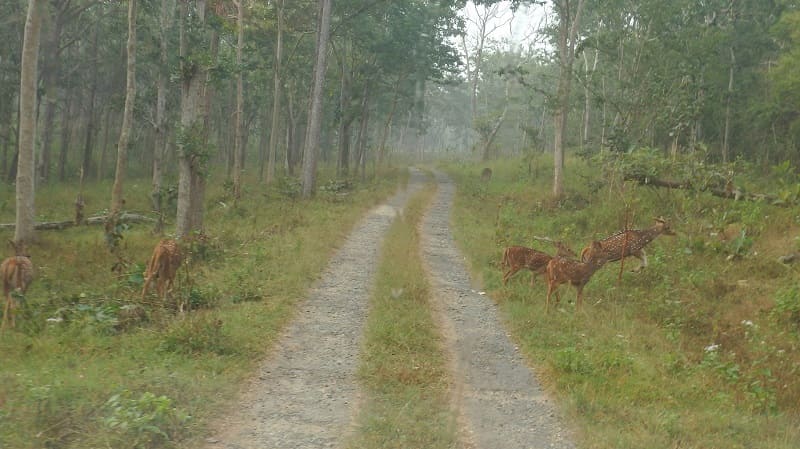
(579, 302)
(643, 259)
(6, 311)
(511, 272)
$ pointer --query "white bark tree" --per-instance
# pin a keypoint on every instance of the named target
(27, 124)
(311, 149)
(127, 115)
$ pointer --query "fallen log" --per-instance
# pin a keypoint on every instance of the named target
(732, 193)
(97, 220)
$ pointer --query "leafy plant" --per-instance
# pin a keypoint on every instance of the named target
(787, 306)
(148, 420)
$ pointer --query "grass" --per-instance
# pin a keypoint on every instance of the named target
(701, 349)
(403, 369)
(91, 365)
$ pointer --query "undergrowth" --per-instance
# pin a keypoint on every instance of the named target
(92, 364)
(699, 349)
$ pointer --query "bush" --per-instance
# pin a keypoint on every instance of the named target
(197, 333)
(148, 421)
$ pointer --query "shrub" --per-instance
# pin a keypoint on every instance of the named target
(148, 421)
(197, 333)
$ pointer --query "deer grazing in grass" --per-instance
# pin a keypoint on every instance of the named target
(631, 242)
(561, 270)
(163, 267)
(17, 272)
(516, 258)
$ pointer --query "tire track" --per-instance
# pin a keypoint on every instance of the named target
(501, 405)
(306, 392)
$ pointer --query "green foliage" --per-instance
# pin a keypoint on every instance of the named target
(195, 334)
(193, 144)
(787, 306)
(708, 330)
(145, 422)
(84, 334)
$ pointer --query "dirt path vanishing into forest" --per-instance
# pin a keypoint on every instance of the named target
(306, 393)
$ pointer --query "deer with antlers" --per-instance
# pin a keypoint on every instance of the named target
(17, 272)
(631, 242)
(516, 258)
(562, 270)
(162, 267)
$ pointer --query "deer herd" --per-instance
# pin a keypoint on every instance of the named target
(565, 268)
(17, 274)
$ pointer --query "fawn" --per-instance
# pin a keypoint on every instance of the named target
(163, 267)
(632, 242)
(516, 258)
(561, 270)
(17, 272)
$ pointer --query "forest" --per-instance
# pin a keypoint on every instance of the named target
(257, 132)
(712, 77)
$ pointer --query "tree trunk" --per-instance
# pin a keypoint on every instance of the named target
(567, 34)
(91, 116)
(276, 97)
(291, 133)
(238, 150)
(312, 140)
(51, 67)
(127, 115)
(345, 119)
(160, 146)
(493, 133)
(25, 214)
(729, 97)
(362, 131)
(192, 157)
(388, 125)
(587, 100)
(66, 131)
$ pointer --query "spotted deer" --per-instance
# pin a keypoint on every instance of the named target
(516, 258)
(631, 242)
(561, 270)
(17, 273)
(162, 267)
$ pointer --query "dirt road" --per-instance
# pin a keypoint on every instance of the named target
(306, 395)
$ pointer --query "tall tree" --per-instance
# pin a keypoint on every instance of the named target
(127, 115)
(238, 147)
(277, 82)
(27, 124)
(159, 149)
(569, 15)
(192, 144)
(311, 149)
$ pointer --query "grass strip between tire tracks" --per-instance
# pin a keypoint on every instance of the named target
(403, 370)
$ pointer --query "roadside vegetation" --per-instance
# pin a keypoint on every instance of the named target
(90, 364)
(403, 370)
(700, 349)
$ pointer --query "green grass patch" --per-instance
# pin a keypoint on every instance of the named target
(92, 365)
(403, 370)
(701, 349)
